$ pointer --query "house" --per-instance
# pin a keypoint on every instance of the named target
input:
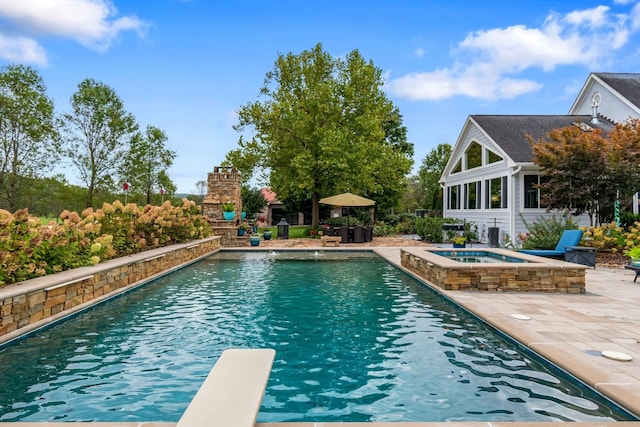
(490, 177)
(275, 210)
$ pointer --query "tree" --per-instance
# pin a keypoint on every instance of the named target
(98, 132)
(253, 201)
(586, 171)
(429, 174)
(146, 163)
(201, 190)
(625, 157)
(324, 128)
(28, 137)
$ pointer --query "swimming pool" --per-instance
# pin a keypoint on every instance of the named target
(355, 338)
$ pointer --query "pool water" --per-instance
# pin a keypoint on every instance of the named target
(356, 339)
(478, 257)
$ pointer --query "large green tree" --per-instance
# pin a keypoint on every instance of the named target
(429, 174)
(146, 163)
(28, 137)
(98, 131)
(324, 127)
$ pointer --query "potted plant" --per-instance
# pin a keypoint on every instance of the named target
(255, 239)
(459, 241)
(228, 211)
(267, 235)
(244, 228)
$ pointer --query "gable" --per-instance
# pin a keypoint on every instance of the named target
(617, 96)
(473, 151)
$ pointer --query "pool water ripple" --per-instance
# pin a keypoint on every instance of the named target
(369, 346)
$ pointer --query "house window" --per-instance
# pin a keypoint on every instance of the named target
(496, 193)
(532, 199)
(458, 167)
(492, 157)
(453, 197)
(531, 194)
(472, 195)
(474, 155)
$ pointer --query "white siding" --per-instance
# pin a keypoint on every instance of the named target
(611, 106)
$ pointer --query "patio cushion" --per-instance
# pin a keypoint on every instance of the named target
(568, 238)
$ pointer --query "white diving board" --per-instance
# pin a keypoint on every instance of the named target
(232, 393)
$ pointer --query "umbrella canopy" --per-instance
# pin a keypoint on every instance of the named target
(347, 200)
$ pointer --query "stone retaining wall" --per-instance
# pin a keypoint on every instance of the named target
(32, 303)
(557, 277)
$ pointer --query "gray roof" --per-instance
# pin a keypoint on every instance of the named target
(626, 84)
(510, 132)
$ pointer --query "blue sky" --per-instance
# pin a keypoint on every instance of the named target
(185, 66)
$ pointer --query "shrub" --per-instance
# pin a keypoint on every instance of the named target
(381, 229)
(407, 224)
(545, 232)
(628, 219)
(611, 237)
(29, 249)
(341, 221)
(430, 228)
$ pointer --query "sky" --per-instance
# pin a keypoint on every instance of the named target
(186, 66)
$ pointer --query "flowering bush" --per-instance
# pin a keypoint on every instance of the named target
(29, 249)
(545, 233)
(609, 237)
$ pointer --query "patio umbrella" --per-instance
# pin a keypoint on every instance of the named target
(347, 200)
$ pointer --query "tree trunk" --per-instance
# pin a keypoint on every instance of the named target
(315, 210)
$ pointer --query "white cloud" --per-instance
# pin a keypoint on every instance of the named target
(22, 49)
(487, 62)
(596, 17)
(92, 23)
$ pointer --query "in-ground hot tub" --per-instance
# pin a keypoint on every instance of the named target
(493, 269)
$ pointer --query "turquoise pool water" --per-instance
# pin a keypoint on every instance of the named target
(355, 338)
(478, 256)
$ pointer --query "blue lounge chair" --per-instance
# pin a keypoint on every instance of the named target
(568, 238)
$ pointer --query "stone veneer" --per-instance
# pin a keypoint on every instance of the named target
(538, 275)
(27, 305)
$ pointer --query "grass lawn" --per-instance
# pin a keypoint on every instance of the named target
(295, 231)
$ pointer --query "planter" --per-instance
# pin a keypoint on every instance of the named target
(255, 240)
(243, 215)
(459, 245)
(267, 235)
(241, 232)
(229, 216)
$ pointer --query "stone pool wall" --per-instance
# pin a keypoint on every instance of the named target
(551, 276)
(32, 303)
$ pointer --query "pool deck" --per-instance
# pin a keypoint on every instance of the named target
(571, 330)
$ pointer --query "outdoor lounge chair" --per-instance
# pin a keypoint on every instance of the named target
(568, 238)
